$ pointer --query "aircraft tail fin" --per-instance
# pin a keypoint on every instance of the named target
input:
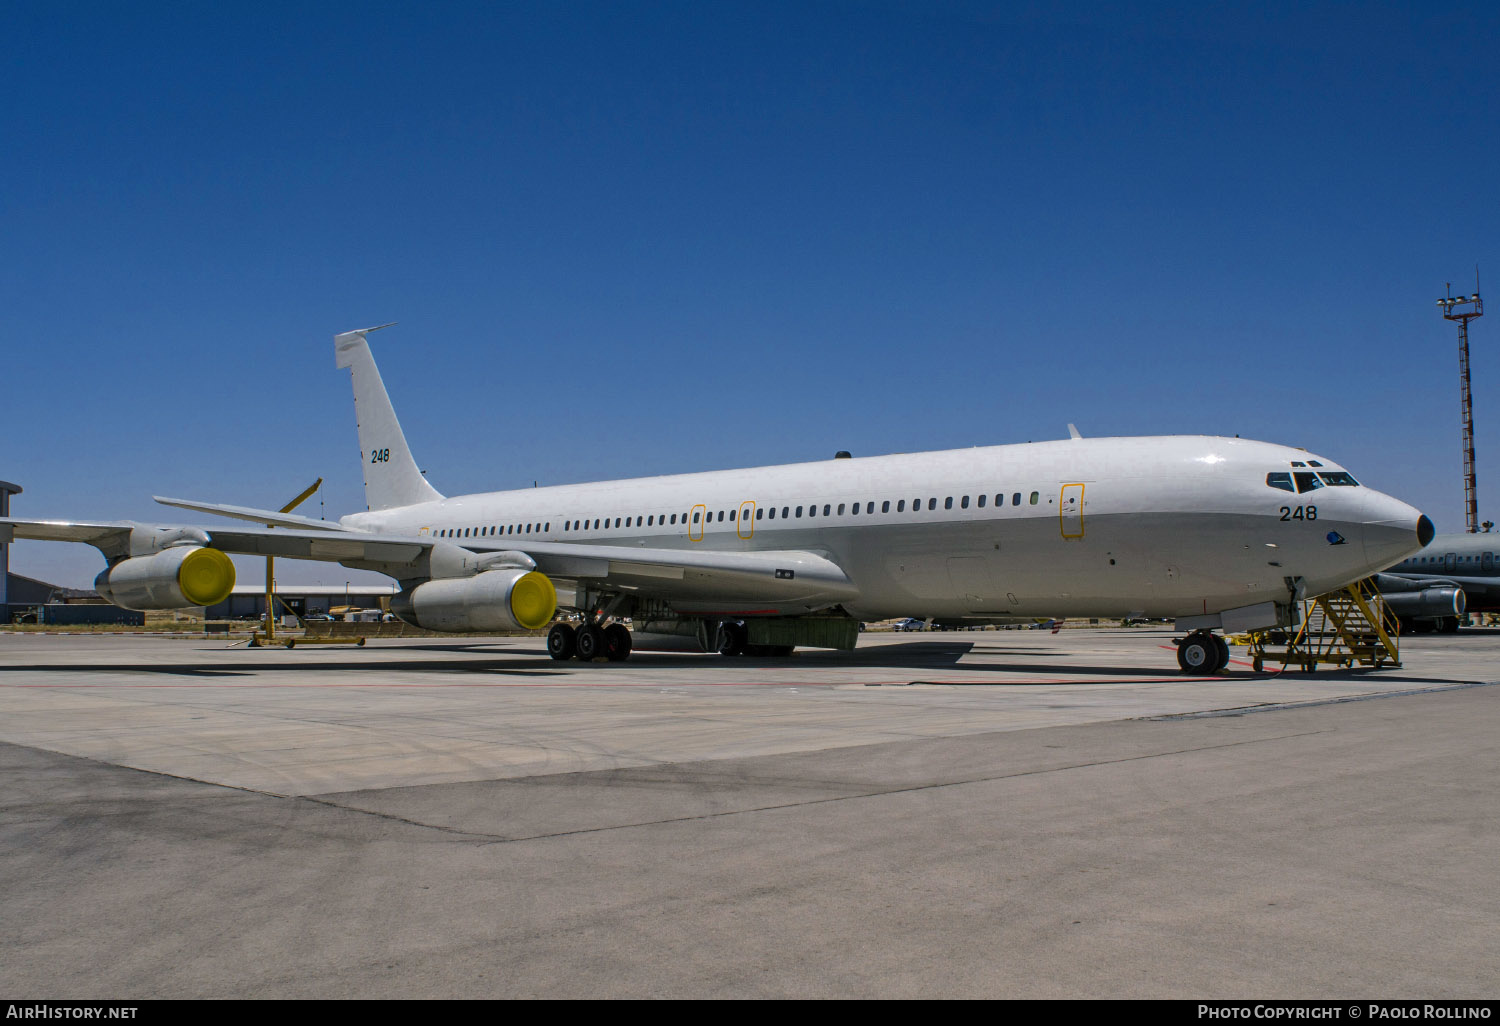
(391, 475)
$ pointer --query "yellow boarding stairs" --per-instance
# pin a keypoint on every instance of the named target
(1349, 627)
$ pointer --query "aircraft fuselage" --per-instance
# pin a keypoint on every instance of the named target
(1169, 526)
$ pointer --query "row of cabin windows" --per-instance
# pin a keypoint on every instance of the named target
(855, 508)
(1485, 560)
(761, 513)
(493, 529)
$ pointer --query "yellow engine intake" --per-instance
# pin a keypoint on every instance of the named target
(505, 599)
(533, 600)
(185, 575)
(206, 577)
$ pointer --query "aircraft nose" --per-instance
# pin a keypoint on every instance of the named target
(1393, 530)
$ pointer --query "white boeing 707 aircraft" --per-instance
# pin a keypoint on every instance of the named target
(1217, 533)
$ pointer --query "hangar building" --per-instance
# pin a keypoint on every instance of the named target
(248, 601)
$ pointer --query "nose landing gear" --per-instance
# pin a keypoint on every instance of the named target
(1202, 652)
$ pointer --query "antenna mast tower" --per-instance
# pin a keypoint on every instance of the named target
(1463, 309)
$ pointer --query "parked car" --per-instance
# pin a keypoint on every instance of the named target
(910, 624)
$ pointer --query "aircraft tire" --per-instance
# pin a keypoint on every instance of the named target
(616, 642)
(590, 641)
(1222, 659)
(731, 639)
(562, 642)
(1197, 653)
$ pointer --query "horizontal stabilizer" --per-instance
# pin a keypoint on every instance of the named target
(256, 516)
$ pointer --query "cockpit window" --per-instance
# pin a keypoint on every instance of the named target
(1337, 478)
(1280, 479)
(1307, 481)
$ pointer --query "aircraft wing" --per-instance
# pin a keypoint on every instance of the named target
(690, 580)
(100, 533)
(700, 581)
(118, 538)
(1394, 583)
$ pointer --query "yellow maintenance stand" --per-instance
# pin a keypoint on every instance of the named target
(261, 639)
(1348, 627)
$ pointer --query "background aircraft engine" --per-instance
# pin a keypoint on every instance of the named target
(505, 599)
(1442, 601)
(185, 575)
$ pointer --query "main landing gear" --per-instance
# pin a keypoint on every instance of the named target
(732, 639)
(1202, 652)
(589, 641)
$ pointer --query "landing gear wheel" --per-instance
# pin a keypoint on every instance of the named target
(1198, 653)
(731, 640)
(562, 641)
(590, 641)
(1223, 649)
(616, 642)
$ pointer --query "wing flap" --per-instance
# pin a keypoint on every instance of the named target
(635, 568)
(695, 580)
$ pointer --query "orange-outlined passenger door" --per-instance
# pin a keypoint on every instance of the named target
(746, 526)
(1070, 510)
(695, 522)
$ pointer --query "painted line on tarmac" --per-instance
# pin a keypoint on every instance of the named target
(973, 682)
(1370, 697)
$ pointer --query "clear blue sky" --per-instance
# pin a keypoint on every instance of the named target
(627, 239)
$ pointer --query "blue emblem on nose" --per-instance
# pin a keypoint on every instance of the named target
(1334, 538)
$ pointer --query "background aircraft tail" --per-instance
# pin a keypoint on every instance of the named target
(391, 475)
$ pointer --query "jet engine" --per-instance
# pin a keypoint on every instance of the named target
(501, 599)
(1443, 600)
(184, 575)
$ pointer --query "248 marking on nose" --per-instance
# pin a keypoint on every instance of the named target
(1299, 513)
